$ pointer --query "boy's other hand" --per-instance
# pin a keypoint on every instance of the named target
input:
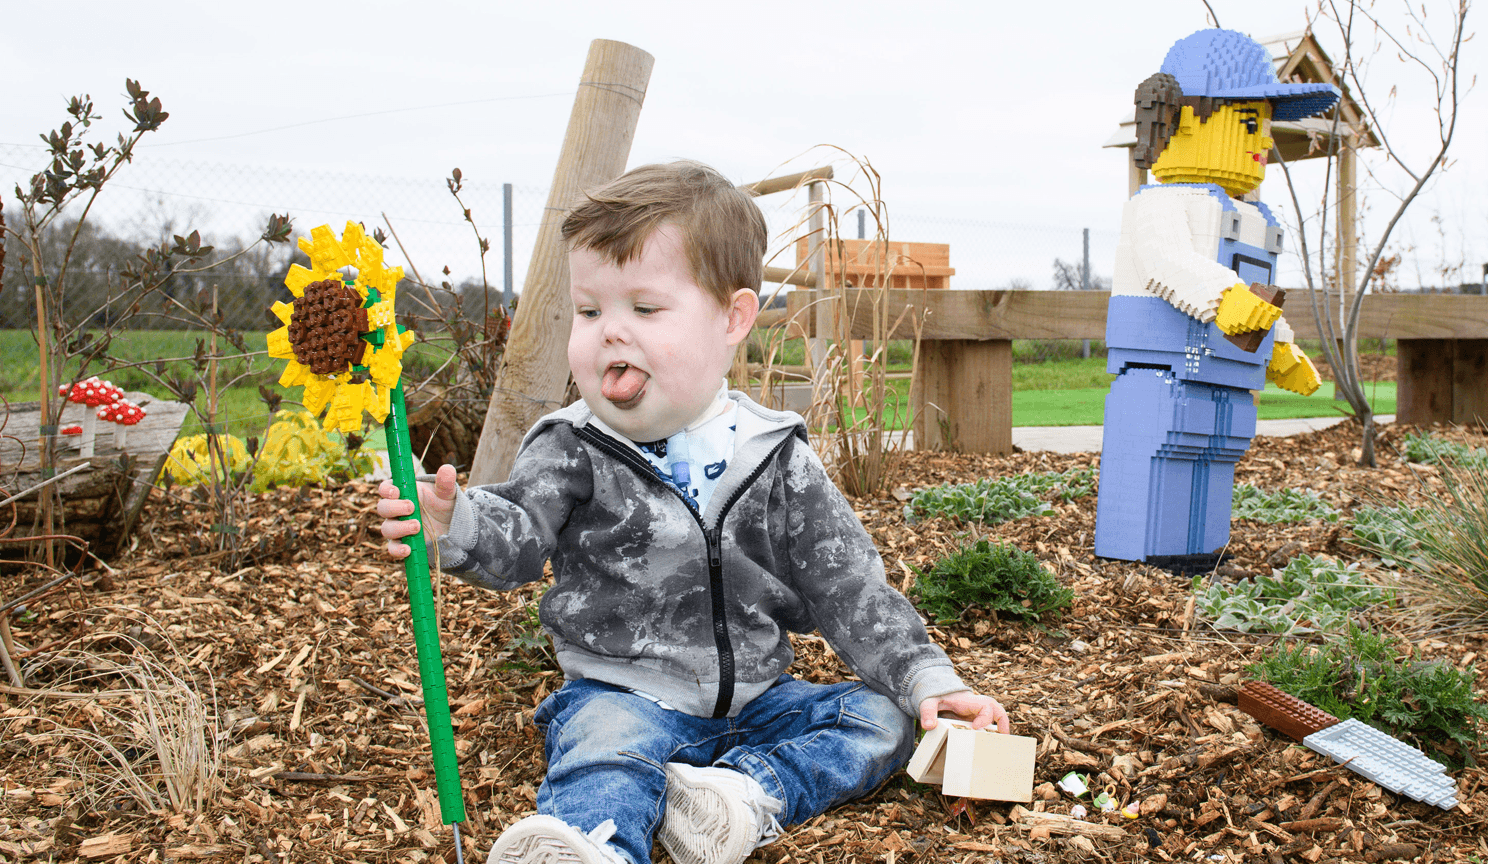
(981, 710)
(436, 503)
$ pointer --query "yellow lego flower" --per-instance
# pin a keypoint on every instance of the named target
(340, 337)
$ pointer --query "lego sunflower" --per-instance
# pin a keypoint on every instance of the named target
(339, 335)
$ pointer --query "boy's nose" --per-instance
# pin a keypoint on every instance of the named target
(615, 331)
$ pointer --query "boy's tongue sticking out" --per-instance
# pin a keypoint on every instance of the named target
(622, 384)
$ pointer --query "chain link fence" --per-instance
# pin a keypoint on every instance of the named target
(152, 199)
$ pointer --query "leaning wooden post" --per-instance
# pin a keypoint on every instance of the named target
(534, 366)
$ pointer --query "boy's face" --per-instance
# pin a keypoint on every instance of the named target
(649, 347)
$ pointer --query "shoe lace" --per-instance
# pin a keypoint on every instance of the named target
(600, 836)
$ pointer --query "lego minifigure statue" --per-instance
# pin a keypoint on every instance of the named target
(1186, 334)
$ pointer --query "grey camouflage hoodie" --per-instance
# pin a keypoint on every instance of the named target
(692, 608)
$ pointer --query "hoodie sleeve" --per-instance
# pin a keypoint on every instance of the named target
(500, 536)
(839, 572)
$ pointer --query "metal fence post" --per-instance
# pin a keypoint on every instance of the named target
(1085, 286)
(506, 245)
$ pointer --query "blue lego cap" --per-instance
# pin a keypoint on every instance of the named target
(1224, 64)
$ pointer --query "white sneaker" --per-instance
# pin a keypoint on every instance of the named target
(549, 840)
(716, 815)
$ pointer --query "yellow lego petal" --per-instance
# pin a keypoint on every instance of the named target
(381, 404)
(325, 251)
(279, 347)
(346, 408)
(385, 368)
(283, 311)
(297, 278)
(380, 315)
(294, 375)
(318, 391)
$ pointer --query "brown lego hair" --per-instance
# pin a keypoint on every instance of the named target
(723, 231)
(1160, 101)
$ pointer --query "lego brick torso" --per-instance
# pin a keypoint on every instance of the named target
(1181, 246)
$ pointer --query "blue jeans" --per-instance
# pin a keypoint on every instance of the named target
(812, 746)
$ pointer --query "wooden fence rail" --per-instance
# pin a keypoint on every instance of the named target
(963, 388)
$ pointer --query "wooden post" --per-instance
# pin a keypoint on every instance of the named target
(1470, 382)
(534, 367)
(962, 398)
(817, 257)
(1347, 242)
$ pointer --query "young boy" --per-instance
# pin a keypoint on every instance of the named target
(690, 531)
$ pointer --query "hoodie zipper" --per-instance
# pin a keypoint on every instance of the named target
(712, 537)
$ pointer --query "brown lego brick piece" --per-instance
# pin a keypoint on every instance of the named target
(1286, 714)
(1249, 342)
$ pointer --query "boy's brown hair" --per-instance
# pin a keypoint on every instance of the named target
(723, 230)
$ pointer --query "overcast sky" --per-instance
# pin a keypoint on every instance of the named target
(991, 112)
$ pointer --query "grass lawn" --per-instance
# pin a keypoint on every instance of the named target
(1059, 392)
(1087, 407)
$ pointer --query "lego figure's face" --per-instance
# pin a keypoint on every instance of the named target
(649, 347)
(1228, 149)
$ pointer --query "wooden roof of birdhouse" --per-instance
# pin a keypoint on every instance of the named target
(1298, 57)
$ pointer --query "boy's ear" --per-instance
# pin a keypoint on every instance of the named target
(743, 309)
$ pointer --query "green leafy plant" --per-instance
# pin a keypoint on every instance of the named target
(1362, 674)
(1283, 505)
(297, 451)
(1386, 531)
(992, 501)
(998, 577)
(1309, 594)
(1422, 448)
(1441, 547)
(529, 645)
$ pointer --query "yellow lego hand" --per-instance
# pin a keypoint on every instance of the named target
(1240, 311)
(1291, 370)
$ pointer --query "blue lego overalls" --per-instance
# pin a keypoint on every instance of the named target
(1179, 414)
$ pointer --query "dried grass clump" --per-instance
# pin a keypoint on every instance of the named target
(145, 734)
(1441, 546)
(854, 412)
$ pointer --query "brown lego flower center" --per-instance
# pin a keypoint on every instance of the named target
(326, 326)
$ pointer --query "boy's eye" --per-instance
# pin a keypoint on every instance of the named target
(588, 313)
(645, 310)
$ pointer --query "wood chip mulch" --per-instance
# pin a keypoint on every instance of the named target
(324, 757)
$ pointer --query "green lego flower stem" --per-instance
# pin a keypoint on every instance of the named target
(425, 622)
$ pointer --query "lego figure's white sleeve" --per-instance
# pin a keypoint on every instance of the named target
(1169, 241)
(1283, 331)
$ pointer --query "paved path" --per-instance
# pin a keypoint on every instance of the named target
(1087, 439)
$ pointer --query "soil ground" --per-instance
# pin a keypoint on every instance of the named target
(324, 757)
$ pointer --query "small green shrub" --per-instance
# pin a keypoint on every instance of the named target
(1283, 505)
(998, 577)
(990, 502)
(1429, 705)
(1307, 595)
